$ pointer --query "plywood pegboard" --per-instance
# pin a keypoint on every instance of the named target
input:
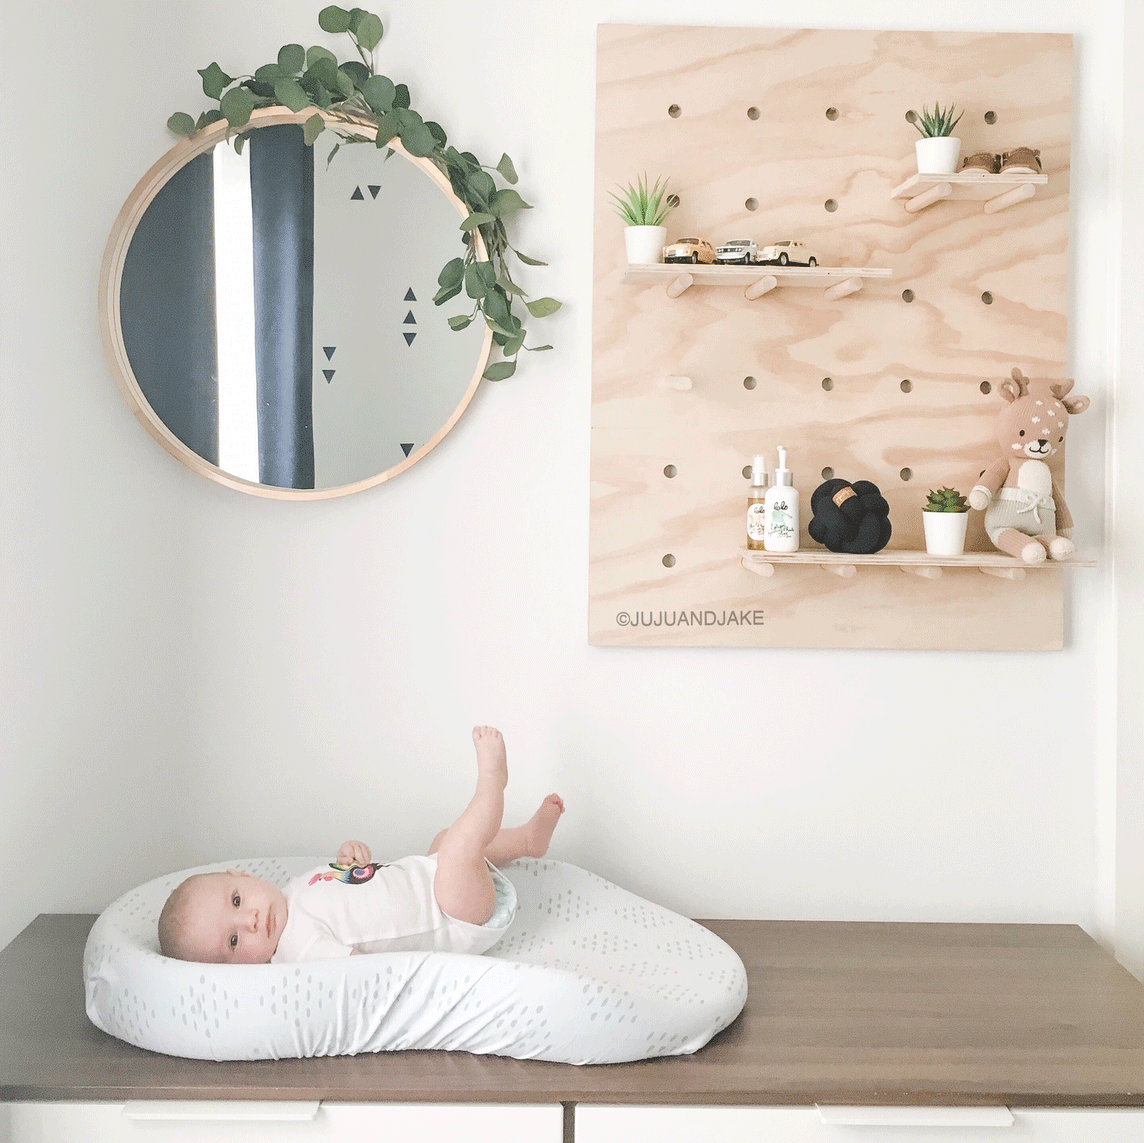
(734, 114)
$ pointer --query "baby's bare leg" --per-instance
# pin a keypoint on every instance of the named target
(528, 840)
(463, 884)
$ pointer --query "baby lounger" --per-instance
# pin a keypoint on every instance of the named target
(588, 973)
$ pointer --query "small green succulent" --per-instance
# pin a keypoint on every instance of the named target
(945, 500)
(936, 123)
(644, 205)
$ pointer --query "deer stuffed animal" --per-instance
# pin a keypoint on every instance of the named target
(1025, 510)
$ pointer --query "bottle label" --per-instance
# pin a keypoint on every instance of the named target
(780, 521)
(756, 521)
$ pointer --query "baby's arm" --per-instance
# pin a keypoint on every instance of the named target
(353, 853)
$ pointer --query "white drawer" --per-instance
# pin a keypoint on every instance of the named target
(596, 1124)
(240, 1122)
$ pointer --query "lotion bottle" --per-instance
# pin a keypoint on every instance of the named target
(780, 533)
(757, 505)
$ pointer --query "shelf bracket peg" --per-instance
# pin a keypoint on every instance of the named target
(928, 198)
(758, 567)
(841, 289)
(926, 571)
(761, 286)
(1013, 573)
(677, 285)
(843, 571)
(676, 382)
(1010, 198)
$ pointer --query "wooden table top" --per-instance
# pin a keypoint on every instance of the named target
(838, 1013)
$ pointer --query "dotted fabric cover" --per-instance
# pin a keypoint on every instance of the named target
(588, 973)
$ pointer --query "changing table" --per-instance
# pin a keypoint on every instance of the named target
(853, 1032)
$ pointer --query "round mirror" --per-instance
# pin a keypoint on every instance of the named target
(269, 312)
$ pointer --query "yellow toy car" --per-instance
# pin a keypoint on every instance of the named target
(689, 250)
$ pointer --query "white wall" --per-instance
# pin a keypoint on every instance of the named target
(191, 673)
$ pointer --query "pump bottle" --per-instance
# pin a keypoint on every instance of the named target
(780, 532)
(756, 504)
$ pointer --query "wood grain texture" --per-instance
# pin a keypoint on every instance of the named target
(838, 1013)
(865, 424)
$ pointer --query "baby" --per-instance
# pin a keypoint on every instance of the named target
(453, 900)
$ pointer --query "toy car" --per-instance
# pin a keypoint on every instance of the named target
(741, 250)
(787, 252)
(689, 250)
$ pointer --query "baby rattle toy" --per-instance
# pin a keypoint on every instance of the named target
(1025, 510)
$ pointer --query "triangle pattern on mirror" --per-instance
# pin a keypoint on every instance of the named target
(409, 338)
(373, 190)
(409, 319)
(410, 296)
(328, 374)
(357, 194)
(407, 449)
(328, 350)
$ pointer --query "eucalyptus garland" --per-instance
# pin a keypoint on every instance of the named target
(353, 93)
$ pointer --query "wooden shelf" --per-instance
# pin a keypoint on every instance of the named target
(835, 281)
(845, 564)
(998, 191)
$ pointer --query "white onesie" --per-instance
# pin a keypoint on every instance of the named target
(334, 911)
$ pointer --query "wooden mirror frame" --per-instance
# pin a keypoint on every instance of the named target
(111, 274)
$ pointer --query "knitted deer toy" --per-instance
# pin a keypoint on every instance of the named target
(1025, 510)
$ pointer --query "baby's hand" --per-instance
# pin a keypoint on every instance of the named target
(353, 853)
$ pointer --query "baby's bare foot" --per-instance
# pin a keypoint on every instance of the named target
(539, 828)
(491, 759)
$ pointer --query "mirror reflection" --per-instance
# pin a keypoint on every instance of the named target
(277, 311)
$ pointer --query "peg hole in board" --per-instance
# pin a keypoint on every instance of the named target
(746, 472)
(752, 113)
(985, 387)
(675, 111)
(987, 298)
(669, 471)
(749, 382)
(669, 560)
(752, 204)
(990, 117)
(828, 473)
(828, 383)
(906, 386)
(831, 205)
(673, 200)
(908, 295)
(907, 474)
(832, 113)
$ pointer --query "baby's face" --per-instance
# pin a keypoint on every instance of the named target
(234, 918)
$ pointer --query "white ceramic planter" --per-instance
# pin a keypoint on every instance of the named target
(645, 244)
(939, 155)
(945, 532)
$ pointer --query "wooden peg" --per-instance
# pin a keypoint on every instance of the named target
(680, 383)
(763, 285)
(926, 571)
(928, 198)
(1017, 194)
(759, 568)
(1013, 573)
(843, 571)
(841, 289)
(677, 285)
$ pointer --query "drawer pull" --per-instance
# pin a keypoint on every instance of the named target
(222, 1110)
(858, 1116)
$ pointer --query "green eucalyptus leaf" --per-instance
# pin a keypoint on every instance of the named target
(387, 127)
(508, 285)
(437, 131)
(312, 128)
(292, 58)
(542, 307)
(496, 309)
(236, 105)
(330, 157)
(261, 88)
(378, 92)
(181, 123)
(506, 202)
(369, 31)
(325, 71)
(480, 277)
(208, 117)
(513, 346)
(269, 72)
(290, 93)
(529, 261)
(500, 338)
(358, 72)
(460, 321)
(334, 19)
(239, 143)
(343, 83)
(476, 219)
(418, 140)
(506, 170)
(536, 348)
(452, 273)
(317, 52)
(215, 81)
(445, 293)
(499, 371)
(401, 98)
(481, 183)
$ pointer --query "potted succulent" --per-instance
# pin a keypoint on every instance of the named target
(938, 150)
(644, 208)
(944, 517)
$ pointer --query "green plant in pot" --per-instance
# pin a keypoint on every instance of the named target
(944, 518)
(644, 207)
(938, 150)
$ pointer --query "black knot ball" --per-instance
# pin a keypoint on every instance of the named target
(847, 517)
